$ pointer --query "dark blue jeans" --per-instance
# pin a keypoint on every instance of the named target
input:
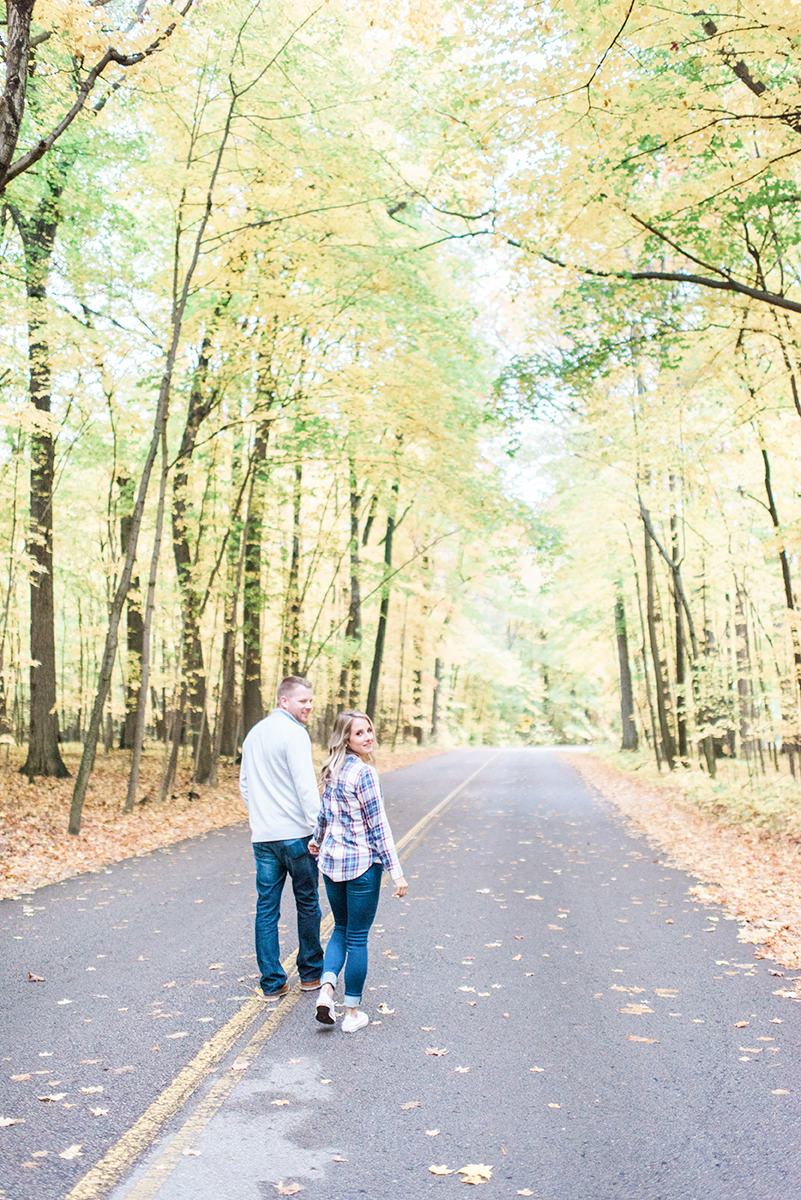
(354, 903)
(274, 861)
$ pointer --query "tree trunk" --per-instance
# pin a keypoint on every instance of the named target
(383, 612)
(291, 647)
(350, 679)
(435, 699)
(629, 738)
(680, 652)
(661, 681)
(38, 234)
(252, 704)
(744, 677)
(138, 735)
(134, 629)
(12, 102)
(229, 721)
(784, 564)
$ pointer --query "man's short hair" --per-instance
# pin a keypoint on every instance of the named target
(287, 686)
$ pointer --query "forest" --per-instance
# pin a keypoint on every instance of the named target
(445, 353)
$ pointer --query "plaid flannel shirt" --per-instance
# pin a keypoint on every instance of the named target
(352, 828)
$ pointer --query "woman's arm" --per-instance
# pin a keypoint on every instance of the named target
(379, 834)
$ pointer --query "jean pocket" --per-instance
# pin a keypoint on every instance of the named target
(297, 847)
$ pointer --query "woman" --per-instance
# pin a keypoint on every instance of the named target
(354, 844)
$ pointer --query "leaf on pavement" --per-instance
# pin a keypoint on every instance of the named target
(411, 1104)
(435, 1051)
(635, 1010)
(287, 1189)
(475, 1173)
(630, 1037)
(279, 1103)
(441, 1170)
(52, 1098)
(35, 978)
(4, 1121)
(72, 1151)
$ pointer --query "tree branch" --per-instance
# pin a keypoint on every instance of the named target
(37, 151)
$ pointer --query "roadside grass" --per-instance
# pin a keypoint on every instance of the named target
(769, 803)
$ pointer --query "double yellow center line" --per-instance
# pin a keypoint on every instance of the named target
(136, 1140)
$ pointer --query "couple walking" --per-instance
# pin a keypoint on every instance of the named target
(294, 828)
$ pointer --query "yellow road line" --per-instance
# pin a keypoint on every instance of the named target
(136, 1140)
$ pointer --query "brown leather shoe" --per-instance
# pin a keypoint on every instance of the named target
(309, 985)
(277, 995)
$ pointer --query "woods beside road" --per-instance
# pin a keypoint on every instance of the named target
(414, 350)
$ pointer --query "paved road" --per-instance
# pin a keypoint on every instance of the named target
(548, 1002)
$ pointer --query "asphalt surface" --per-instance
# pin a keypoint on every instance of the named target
(549, 1004)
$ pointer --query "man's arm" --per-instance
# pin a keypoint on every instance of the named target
(301, 770)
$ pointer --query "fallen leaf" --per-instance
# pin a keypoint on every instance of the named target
(384, 1008)
(525, 1192)
(462, 1070)
(441, 1170)
(99, 1112)
(4, 1121)
(19, 1078)
(279, 1103)
(635, 1010)
(630, 1037)
(53, 1098)
(71, 1151)
(432, 1133)
(475, 1173)
(288, 1189)
(411, 1104)
(35, 978)
(435, 1051)
(88, 1091)
(338, 1158)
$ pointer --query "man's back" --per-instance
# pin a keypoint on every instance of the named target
(277, 779)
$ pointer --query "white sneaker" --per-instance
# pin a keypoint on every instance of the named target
(350, 1024)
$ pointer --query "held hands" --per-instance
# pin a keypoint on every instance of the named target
(313, 849)
(401, 888)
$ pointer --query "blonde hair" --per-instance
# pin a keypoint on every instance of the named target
(338, 749)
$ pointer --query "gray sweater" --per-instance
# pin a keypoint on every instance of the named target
(277, 779)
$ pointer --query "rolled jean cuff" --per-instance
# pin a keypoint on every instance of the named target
(329, 977)
(352, 1001)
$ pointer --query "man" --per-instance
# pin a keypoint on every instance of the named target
(279, 788)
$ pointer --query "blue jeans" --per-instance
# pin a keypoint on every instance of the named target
(274, 861)
(354, 903)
